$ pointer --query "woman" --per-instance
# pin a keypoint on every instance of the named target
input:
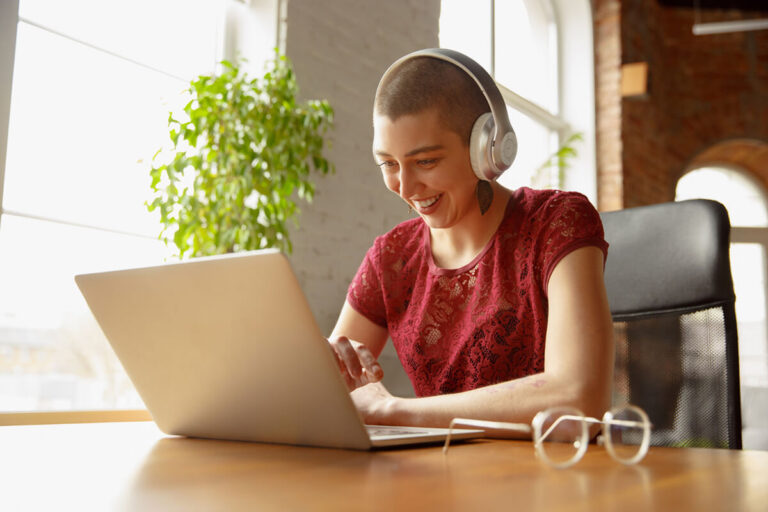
(494, 299)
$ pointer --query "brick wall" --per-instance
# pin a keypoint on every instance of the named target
(704, 92)
(607, 36)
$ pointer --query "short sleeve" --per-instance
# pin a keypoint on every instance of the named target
(569, 222)
(365, 293)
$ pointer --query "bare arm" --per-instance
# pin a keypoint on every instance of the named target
(358, 342)
(578, 361)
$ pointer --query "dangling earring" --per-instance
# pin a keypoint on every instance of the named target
(484, 194)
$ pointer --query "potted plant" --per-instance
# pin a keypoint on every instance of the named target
(241, 151)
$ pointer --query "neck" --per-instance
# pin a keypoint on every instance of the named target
(458, 245)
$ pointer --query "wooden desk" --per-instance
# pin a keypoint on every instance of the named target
(132, 466)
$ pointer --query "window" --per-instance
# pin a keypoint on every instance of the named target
(533, 48)
(92, 84)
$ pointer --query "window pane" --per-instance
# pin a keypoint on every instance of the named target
(748, 268)
(740, 195)
(52, 353)
(534, 145)
(525, 51)
(465, 27)
(80, 121)
(177, 36)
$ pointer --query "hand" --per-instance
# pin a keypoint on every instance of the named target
(376, 404)
(357, 364)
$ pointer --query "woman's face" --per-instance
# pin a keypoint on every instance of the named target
(427, 165)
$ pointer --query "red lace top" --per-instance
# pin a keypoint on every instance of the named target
(460, 329)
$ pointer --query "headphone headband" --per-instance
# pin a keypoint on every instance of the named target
(503, 142)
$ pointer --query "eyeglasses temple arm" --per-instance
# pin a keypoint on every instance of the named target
(465, 422)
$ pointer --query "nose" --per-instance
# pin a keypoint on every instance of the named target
(408, 181)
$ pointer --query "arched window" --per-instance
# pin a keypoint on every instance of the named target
(532, 48)
(746, 202)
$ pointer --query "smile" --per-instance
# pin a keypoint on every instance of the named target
(426, 203)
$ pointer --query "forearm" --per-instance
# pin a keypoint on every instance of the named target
(515, 401)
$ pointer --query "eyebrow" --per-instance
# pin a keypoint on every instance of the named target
(422, 149)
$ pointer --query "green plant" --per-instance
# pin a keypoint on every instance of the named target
(560, 160)
(244, 149)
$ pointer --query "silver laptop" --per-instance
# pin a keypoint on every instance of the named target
(226, 347)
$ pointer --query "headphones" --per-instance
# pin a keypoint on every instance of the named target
(493, 143)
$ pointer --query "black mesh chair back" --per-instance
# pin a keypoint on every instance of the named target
(671, 295)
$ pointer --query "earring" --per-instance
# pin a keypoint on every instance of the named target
(484, 194)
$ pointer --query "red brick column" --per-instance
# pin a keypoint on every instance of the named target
(607, 37)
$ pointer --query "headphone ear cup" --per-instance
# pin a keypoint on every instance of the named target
(480, 147)
(508, 149)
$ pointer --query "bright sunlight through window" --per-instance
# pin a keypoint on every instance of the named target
(93, 82)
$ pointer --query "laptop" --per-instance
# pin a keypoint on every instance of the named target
(226, 347)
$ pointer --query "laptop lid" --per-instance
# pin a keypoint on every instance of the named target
(226, 347)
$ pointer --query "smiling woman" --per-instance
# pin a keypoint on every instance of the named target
(494, 300)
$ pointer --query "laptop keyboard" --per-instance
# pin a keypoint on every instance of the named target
(379, 431)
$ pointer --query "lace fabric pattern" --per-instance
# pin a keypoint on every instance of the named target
(460, 329)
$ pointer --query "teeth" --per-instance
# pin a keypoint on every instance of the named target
(426, 203)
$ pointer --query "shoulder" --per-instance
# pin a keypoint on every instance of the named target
(555, 223)
(537, 203)
(540, 209)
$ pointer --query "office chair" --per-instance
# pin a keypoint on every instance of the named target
(671, 296)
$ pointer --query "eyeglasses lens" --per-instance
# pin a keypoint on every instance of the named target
(627, 433)
(561, 436)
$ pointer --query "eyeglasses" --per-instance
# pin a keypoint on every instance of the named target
(561, 434)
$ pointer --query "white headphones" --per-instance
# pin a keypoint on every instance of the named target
(493, 143)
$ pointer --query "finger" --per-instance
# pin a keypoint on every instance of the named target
(348, 379)
(349, 359)
(372, 371)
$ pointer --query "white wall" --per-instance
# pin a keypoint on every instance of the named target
(339, 52)
(339, 49)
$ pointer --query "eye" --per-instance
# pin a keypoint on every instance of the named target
(427, 163)
(387, 164)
